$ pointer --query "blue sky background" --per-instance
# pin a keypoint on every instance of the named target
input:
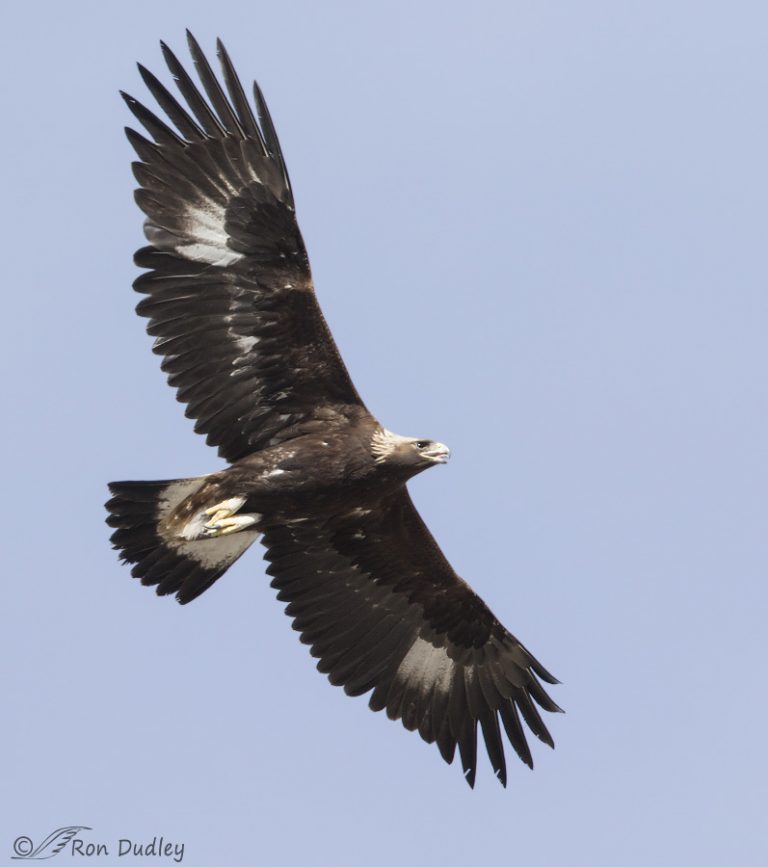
(538, 232)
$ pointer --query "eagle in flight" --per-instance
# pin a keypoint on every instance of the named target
(313, 475)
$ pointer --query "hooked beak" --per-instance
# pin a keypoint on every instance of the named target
(439, 453)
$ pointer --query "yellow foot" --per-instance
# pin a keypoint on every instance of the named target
(225, 526)
(224, 509)
(219, 520)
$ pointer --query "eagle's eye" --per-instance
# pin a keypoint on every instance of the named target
(421, 444)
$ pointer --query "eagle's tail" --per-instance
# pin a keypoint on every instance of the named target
(186, 567)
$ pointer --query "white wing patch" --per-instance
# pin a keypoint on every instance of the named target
(208, 236)
(426, 666)
(199, 232)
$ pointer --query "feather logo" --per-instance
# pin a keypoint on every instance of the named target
(52, 845)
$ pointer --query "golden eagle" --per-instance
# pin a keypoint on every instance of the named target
(312, 473)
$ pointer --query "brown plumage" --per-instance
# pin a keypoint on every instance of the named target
(313, 474)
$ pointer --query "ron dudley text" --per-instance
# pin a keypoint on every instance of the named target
(157, 847)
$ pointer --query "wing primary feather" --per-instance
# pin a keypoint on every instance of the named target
(475, 698)
(270, 135)
(171, 106)
(533, 718)
(539, 695)
(212, 87)
(200, 108)
(492, 736)
(237, 95)
(487, 686)
(514, 729)
(457, 705)
(446, 743)
(539, 668)
(162, 133)
(145, 149)
(468, 750)
(440, 721)
(410, 706)
(428, 725)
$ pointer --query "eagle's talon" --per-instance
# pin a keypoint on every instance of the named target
(222, 510)
(225, 526)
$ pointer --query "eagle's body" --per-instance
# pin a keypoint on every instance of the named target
(312, 473)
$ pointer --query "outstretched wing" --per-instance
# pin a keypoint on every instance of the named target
(383, 610)
(230, 296)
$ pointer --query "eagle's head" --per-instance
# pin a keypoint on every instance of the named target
(408, 452)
